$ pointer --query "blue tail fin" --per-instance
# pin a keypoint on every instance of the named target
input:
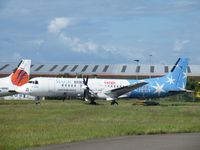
(178, 73)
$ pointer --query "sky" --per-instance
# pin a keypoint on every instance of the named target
(100, 31)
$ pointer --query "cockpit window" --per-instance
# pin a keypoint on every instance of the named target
(33, 82)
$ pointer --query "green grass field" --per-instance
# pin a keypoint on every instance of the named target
(24, 124)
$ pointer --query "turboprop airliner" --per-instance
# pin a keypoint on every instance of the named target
(17, 78)
(110, 89)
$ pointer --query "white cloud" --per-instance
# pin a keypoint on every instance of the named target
(179, 45)
(77, 45)
(74, 43)
(57, 24)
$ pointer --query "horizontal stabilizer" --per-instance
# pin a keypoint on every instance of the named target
(12, 91)
(181, 91)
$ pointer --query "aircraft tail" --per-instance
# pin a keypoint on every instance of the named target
(178, 73)
(21, 74)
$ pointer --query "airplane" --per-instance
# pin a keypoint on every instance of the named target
(17, 78)
(172, 83)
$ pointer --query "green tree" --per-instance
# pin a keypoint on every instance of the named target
(192, 85)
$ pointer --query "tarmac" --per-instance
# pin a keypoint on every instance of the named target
(182, 141)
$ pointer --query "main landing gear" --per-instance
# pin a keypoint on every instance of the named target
(91, 101)
(114, 102)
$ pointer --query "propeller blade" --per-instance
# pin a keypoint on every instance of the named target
(84, 94)
(86, 88)
(86, 80)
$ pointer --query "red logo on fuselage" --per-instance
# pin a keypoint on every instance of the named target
(109, 82)
(19, 77)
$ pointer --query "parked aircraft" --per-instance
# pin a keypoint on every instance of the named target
(110, 89)
(17, 78)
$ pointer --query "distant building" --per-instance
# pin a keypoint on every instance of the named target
(99, 70)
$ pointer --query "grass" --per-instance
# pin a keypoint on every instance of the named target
(23, 124)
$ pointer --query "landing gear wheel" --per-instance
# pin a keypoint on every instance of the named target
(113, 103)
(93, 103)
(37, 100)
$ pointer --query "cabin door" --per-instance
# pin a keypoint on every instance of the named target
(51, 85)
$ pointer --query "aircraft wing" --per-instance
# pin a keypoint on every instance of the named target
(115, 93)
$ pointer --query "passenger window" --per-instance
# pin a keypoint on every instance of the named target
(36, 82)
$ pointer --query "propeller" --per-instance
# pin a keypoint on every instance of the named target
(88, 94)
(86, 88)
(85, 81)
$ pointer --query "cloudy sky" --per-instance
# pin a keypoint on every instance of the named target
(100, 31)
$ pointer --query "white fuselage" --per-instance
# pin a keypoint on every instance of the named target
(72, 87)
(6, 86)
